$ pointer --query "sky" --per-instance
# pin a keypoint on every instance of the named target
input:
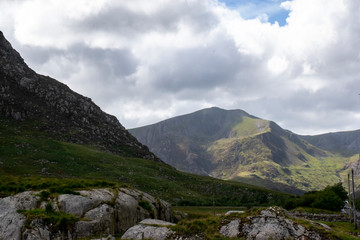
(293, 62)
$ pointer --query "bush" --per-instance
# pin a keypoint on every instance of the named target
(331, 198)
(339, 190)
(44, 195)
(328, 200)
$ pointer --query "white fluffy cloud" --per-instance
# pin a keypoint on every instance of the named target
(145, 61)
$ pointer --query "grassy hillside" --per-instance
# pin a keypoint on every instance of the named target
(246, 157)
(249, 127)
(249, 157)
(27, 155)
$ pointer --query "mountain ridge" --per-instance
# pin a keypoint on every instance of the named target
(344, 142)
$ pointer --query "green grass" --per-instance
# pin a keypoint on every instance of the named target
(313, 210)
(206, 227)
(10, 185)
(343, 230)
(206, 211)
(30, 159)
(339, 230)
(250, 127)
(57, 220)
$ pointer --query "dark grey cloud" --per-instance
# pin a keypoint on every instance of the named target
(120, 20)
(200, 68)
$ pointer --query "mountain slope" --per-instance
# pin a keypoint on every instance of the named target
(179, 141)
(345, 143)
(234, 145)
(27, 155)
(62, 113)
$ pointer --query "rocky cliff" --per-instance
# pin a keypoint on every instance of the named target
(59, 111)
(30, 216)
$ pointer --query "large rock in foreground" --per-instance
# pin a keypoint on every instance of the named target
(11, 222)
(149, 229)
(101, 211)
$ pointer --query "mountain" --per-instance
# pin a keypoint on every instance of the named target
(234, 145)
(61, 112)
(53, 138)
(346, 143)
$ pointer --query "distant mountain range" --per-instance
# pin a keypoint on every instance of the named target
(234, 145)
(344, 143)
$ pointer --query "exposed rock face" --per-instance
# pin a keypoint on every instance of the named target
(271, 223)
(102, 211)
(39, 230)
(144, 230)
(11, 221)
(58, 110)
(231, 229)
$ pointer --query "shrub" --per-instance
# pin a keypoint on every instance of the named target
(44, 195)
(331, 198)
(328, 200)
(339, 190)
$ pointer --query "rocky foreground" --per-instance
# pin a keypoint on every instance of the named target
(132, 214)
(111, 212)
(98, 211)
(270, 223)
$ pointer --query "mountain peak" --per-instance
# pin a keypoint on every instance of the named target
(12, 64)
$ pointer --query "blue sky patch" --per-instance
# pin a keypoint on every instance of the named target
(250, 9)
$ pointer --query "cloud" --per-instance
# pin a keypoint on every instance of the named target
(146, 61)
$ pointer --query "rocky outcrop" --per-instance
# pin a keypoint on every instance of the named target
(231, 229)
(99, 211)
(149, 229)
(11, 221)
(56, 109)
(271, 223)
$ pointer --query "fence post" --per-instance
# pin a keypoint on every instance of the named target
(354, 206)
(350, 206)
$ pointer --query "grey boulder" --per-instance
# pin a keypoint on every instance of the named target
(147, 230)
